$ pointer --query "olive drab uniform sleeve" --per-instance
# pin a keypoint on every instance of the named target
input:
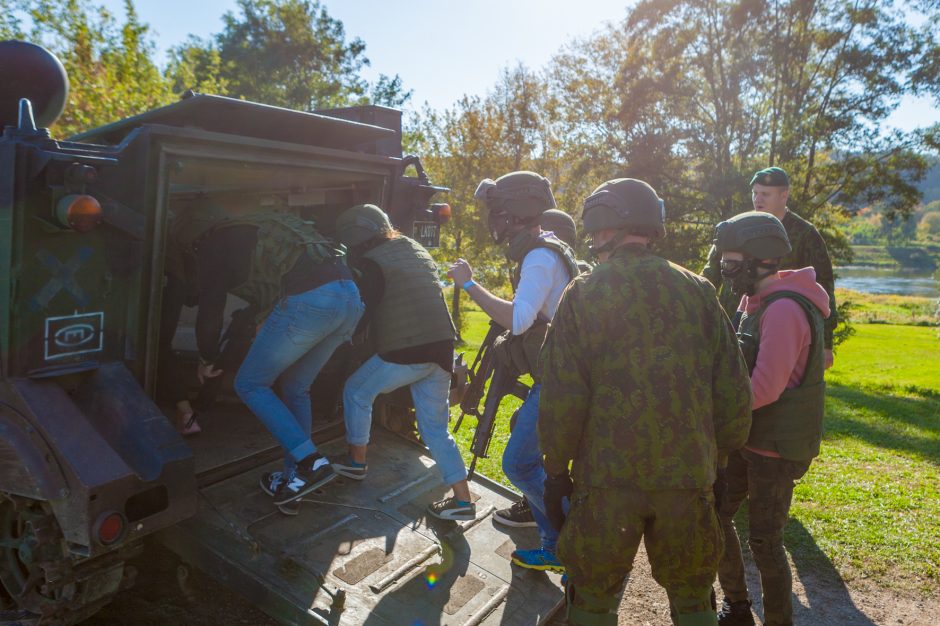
(640, 384)
(731, 392)
(571, 393)
(809, 250)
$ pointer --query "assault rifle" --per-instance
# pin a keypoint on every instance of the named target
(503, 381)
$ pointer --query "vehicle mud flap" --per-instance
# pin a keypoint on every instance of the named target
(366, 552)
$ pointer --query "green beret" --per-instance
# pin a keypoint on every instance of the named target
(771, 177)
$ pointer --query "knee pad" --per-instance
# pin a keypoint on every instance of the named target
(592, 610)
(766, 549)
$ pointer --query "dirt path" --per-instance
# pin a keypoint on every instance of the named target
(821, 599)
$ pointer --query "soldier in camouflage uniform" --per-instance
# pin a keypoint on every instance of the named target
(770, 190)
(645, 390)
(781, 336)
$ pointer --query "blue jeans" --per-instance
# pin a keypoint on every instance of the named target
(295, 342)
(522, 464)
(430, 390)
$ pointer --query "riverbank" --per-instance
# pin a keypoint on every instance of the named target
(868, 308)
(924, 257)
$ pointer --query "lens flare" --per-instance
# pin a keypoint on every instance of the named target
(431, 579)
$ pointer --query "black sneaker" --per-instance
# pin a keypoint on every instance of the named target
(518, 515)
(312, 472)
(735, 613)
(271, 481)
(350, 469)
(453, 510)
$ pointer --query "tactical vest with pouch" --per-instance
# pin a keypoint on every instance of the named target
(792, 425)
(521, 352)
(282, 239)
(412, 311)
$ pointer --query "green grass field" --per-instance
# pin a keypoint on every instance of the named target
(871, 501)
(870, 504)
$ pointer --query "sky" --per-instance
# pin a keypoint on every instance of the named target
(444, 49)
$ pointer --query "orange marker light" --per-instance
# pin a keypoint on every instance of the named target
(443, 212)
(81, 213)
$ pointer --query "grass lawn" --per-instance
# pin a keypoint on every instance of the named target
(870, 504)
(871, 501)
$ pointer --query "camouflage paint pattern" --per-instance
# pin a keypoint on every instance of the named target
(808, 250)
(643, 386)
(642, 379)
(600, 538)
(767, 483)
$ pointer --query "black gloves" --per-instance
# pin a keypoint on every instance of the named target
(557, 488)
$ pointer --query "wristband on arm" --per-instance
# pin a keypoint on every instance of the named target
(468, 284)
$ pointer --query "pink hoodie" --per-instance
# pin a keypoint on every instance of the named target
(784, 335)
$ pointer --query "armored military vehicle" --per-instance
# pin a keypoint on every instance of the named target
(90, 464)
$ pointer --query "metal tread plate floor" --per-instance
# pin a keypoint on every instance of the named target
(372, 540)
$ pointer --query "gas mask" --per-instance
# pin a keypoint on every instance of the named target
(499, 224)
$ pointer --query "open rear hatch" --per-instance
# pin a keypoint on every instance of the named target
(359, 553)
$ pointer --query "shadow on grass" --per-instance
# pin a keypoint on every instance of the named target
(827, 599)
(885, 420)
(826, 592)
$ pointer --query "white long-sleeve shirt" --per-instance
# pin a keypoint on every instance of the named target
(543, 280)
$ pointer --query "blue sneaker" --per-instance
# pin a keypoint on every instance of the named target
(538, 559)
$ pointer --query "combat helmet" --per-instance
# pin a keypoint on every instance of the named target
(755, 234)
(361, 223)
(521, 194)
(561, 224)
(625, 204)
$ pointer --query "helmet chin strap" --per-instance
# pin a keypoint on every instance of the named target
(746, 279)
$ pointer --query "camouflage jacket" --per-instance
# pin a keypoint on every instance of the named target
(642, 379)
(808, 250)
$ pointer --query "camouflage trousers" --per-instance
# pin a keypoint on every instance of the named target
(767, 483)
(601, 537)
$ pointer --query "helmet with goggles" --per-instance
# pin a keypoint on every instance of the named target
(755, 234)
(513, 199)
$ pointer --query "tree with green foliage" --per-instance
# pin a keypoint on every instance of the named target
(929, 225)
(695, 96)
(110, 64)
(288, 53)
(482, 137)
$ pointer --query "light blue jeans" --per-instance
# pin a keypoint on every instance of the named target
(430, 390)
(293, 345)
(522, 464)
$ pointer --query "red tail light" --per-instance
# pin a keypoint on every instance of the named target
(109, 528)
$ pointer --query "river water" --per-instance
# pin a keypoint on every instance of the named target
(888, 281)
